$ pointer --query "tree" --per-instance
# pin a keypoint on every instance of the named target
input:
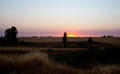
(11, 35)
(14, 33)
(65, 39)
(90, 41)
(7, 34)
(1, 41)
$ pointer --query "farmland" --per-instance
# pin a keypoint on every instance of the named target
(76, 58)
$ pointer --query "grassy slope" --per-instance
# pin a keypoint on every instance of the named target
(39, 63)
(32, 63)
(115, 41)
(89, 58)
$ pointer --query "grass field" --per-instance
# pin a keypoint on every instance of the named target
(48, 56)
(77, 39)
(39, 63)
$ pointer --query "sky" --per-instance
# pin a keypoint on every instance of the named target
(54, 17)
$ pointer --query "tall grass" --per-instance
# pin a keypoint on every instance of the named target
(39, 63)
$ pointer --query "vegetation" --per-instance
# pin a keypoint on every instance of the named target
(28, 56)
(65, 39)
(39, 63)
(10, 37)
(90, 41)
(87, 59)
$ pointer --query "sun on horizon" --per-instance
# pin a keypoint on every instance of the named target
(72, 35)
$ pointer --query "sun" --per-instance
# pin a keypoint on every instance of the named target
(72, 35)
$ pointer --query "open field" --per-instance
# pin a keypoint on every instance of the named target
(39, 63)
(46, 55)
(115, 41)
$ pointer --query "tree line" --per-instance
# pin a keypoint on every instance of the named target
(11, 37)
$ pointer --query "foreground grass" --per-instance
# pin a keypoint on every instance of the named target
(91, 58)
(39, 63)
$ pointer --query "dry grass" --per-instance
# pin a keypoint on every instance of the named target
(47, 39)
(23, 48)
(32, 63)
(39, 63)
(115, 41)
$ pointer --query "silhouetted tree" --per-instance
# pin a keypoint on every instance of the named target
(90, 41)
(14, 33)
(1, 40)
(7, 34)
(65, 39)
(11, 35)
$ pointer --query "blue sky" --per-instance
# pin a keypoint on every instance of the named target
(53, 17)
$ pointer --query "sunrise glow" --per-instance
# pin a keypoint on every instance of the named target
(72, 35)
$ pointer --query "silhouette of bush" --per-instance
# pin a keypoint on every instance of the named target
(90, 41)
(11, 35)
(1, 41)
(65, 39)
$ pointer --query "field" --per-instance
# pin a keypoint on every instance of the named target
(47, 55)
(77, 39)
